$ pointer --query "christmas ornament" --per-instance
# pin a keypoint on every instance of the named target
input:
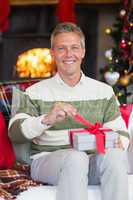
(111, 77)
(123, 44)
(124, 80)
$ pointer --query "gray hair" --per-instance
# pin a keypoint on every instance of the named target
(67, 27)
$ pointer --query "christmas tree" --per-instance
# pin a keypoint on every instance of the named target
(119, 70)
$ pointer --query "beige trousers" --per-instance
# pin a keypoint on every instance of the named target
(72, 171)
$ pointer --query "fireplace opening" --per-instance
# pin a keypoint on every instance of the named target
(35, 63)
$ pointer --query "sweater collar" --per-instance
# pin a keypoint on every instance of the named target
(60, 80)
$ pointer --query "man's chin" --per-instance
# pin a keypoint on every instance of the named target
(70, 71)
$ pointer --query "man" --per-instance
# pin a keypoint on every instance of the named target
(49, 114)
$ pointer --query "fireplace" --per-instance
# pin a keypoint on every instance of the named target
(31, 26)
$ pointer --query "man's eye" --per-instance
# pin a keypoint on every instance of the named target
(61, 48)
(75, 48)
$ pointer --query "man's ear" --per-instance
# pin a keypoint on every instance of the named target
(83, 53)
(52, 53)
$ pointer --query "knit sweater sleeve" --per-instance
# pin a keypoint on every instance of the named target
(26, 124)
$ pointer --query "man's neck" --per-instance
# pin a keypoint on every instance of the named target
(71, 80)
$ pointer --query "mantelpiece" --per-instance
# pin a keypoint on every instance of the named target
(49, 2)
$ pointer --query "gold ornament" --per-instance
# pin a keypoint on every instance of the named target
(124, 80)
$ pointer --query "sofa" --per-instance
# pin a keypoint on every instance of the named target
(16, 183)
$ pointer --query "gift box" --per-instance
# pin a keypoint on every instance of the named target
(85, 141)
(96, 136)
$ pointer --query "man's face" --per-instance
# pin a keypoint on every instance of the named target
(68, 53)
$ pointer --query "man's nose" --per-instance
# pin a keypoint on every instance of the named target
(69, 52)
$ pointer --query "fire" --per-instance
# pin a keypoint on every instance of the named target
(35, 63)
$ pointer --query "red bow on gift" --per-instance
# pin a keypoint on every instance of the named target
(96, 129)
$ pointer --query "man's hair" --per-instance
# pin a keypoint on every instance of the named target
(67, 27)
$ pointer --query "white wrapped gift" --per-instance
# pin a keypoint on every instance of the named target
(86, 141)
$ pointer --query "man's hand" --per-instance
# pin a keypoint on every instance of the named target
(118, 144)
(59, 112)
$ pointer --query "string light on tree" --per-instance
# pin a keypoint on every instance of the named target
(122, 12)
(108, 54)
(108, 31)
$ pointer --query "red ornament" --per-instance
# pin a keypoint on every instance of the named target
(123, 44)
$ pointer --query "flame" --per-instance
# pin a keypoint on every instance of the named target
(35, 63)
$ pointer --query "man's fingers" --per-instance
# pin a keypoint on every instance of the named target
(59, 112)
(67, 108)
(118, 143)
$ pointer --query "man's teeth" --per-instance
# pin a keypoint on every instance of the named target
(69, 61)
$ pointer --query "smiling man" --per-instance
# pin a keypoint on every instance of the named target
(68, 51)
(46, 115)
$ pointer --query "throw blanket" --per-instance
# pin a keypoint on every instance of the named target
(13, 181)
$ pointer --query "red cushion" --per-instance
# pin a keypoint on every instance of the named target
(7, 155)
(126, 110)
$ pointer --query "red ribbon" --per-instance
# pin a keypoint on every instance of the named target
(95, 129)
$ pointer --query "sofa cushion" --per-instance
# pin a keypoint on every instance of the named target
(49, 192)
(7, 155)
